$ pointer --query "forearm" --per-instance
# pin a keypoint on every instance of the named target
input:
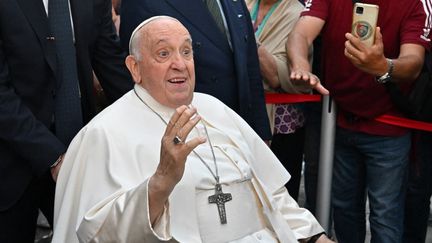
(300, 39)
(270, 75)
(268, 67)
(407, 68)
(158, 193)
(297, 48)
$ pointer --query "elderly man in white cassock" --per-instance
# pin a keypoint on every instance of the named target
(165, 164)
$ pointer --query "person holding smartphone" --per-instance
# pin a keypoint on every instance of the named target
(370, 157)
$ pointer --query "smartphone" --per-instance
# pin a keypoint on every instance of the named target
(365, 17)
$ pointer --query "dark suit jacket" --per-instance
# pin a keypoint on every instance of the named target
(27, 84)
(231, 76)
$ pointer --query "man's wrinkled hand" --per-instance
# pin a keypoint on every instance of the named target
(175, 148)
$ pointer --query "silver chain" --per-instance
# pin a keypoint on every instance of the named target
(215, 176)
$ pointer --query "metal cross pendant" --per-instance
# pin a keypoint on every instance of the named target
(220, 199)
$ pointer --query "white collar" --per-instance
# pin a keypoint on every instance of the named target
(165, 111)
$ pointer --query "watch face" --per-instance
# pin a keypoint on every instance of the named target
(383, 79)
(387, 76)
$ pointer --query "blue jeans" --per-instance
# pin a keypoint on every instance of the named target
(376, 165)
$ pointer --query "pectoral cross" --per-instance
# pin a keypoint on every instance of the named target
(220, 199)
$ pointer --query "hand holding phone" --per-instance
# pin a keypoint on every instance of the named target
(365, 17)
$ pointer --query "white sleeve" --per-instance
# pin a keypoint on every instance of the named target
(125, 219)
(300, 220)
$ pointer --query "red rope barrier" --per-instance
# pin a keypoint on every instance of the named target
(405, 122)
(275, 98)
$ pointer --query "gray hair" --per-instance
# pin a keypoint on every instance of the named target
(135, 39)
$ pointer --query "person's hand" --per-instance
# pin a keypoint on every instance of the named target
(369, 59)
(307, 79)
(324, 239)
(174, 151)
(56, 169)
(173, 155)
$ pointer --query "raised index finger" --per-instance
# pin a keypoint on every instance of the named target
(174, 119)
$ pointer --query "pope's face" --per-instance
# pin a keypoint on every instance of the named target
(166, 65)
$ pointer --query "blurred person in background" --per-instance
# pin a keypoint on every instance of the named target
(116, 5)
(419, 188)
(47, 54)
(273, 20)
(370, 157)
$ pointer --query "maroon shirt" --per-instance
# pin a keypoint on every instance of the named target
(356, 93)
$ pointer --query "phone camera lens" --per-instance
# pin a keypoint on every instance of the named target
(359, 10)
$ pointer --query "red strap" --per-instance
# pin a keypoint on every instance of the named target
(405, 122)
(275, 98)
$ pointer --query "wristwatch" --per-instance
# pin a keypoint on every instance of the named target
(388, 75)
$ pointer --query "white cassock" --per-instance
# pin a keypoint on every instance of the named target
(101, 193)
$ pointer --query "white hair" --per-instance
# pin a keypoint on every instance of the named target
(134, 42)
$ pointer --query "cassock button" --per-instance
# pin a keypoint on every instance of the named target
(198, 45)
(246, 38)
(240, 15)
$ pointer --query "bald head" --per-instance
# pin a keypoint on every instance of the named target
(144, 31)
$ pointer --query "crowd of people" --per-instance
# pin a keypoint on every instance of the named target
(187, 150)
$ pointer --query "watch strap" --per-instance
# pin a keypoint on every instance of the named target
(388, 75)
